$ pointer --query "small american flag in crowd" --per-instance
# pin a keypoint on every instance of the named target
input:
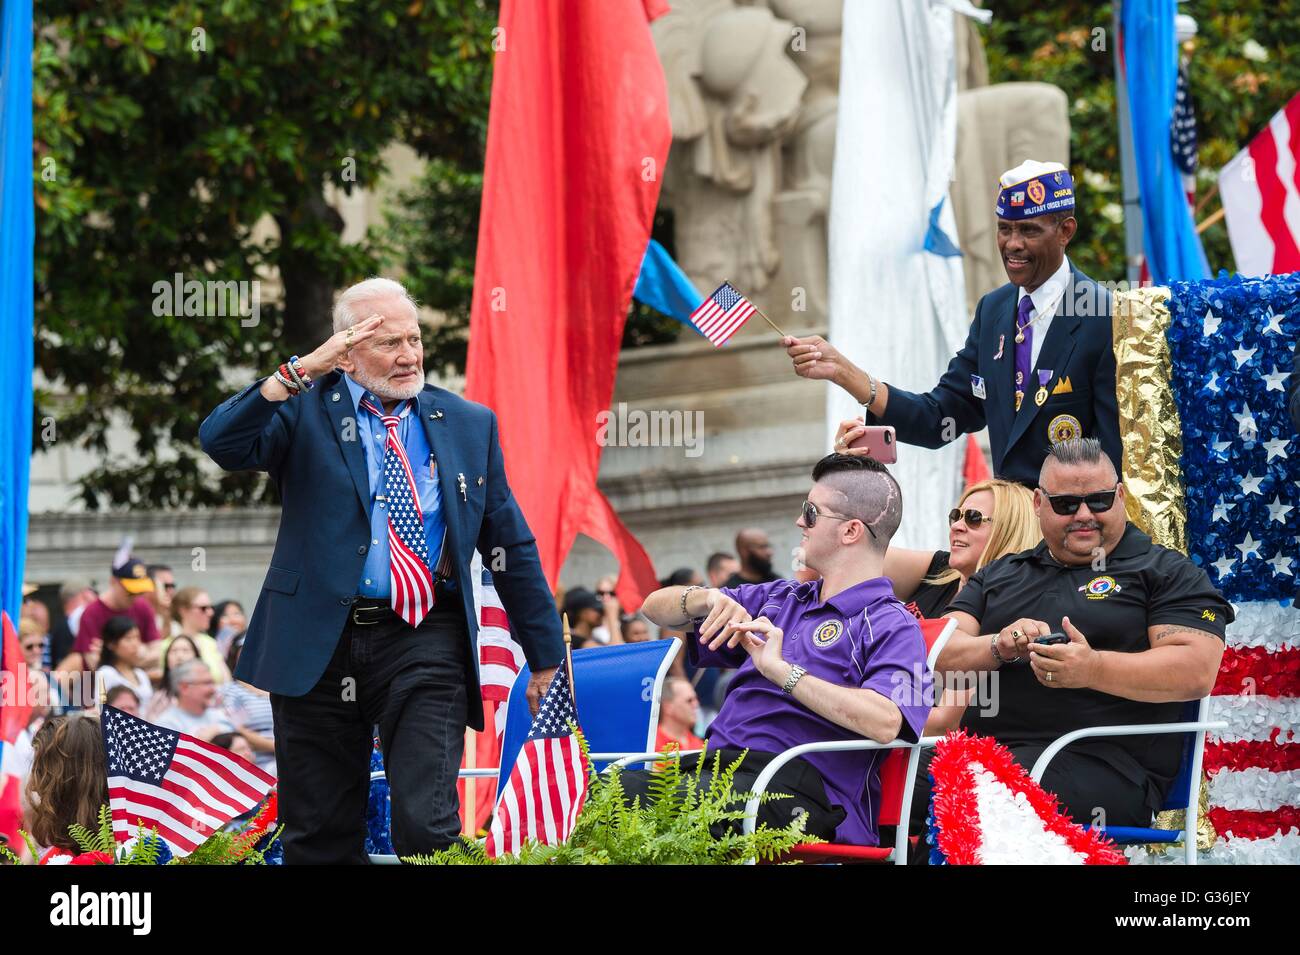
(722, 314)
(184, 787)
(547, 786)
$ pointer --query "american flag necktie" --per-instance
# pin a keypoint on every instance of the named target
(410, 580)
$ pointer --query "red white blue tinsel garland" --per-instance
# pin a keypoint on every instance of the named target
(986, 810)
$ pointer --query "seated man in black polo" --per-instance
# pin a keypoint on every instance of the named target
(1146, 633)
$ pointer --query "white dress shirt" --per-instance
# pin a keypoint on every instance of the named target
(1047, 302)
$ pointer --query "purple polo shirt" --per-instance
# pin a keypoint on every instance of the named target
(861, 637)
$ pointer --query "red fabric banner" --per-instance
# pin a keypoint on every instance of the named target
(578, 136)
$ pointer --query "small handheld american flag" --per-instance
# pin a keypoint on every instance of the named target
(186, 788)
(722, 314)
(548, 783)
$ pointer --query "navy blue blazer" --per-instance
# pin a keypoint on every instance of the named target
(1081, 390)
(309, 446)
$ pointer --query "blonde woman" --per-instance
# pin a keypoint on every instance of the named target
(991, 520)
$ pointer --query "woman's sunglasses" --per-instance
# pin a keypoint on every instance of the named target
(810, 515)
(1099, 502)
(972, 517)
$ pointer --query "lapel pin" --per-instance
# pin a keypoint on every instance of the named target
(436, 414)
(335, 396)
(480, 480)
(460, 480)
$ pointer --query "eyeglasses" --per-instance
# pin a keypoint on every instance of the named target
(38, 645)
(206, 608)
(169, 586)
(810, 515)
(605, 593)
(1099, 502)
(972, 517)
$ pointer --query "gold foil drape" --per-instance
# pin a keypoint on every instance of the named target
(1149, 428)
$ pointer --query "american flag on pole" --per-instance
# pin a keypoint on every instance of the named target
(544, 794)
(500, 657)
(722, 313)
(1260, 187)
(184, 787)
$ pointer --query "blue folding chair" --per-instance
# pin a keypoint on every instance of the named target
(1184, 792)
(617, 691)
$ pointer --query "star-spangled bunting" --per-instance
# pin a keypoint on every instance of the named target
(184, 787)
(1231, 343)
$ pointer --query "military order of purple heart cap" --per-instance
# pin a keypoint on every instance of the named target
(1033, 189)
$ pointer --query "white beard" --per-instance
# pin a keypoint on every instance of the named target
(386, 390)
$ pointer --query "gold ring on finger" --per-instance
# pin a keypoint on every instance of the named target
(1049, 677)
(1016, 634)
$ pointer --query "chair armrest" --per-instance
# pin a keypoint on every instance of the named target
(1130, 729)
(622, 760)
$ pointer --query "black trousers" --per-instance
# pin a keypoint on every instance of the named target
(798, 779)
(1088, 788)
(412, 683)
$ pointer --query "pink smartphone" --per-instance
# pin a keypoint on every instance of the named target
(879, 442)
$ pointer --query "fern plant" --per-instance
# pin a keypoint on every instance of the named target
(685, 821)
(147, 848)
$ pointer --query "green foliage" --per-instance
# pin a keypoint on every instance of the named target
(169, 136)
(1234, 95)
(673, 828)
(221, 848)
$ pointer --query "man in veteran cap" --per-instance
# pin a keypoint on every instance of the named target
(1037, 366)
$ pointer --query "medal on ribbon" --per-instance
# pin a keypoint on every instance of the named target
(1044, 376)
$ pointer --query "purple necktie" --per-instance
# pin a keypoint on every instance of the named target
(1024, 349)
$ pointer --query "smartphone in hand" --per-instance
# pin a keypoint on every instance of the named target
(879, 442)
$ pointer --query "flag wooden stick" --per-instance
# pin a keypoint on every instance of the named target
(568, 656)
(1211, 220)
(769, 321)
(1205, 199)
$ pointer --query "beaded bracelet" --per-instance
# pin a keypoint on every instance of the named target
(284, 379)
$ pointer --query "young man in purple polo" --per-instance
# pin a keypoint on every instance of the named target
(830, 659)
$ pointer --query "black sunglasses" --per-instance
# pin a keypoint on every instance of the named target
(1099, 502)
(810, 515)
(972, 517)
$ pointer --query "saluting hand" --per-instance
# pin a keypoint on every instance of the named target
(326, 358)
(1069, 665)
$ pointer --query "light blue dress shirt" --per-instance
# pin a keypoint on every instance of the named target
(371, 432)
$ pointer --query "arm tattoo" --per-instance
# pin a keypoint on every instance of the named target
(1162, 632)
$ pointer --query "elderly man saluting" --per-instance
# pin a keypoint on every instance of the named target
(1145, 632)
(366, 616)
(830, 659)
(1037, 366)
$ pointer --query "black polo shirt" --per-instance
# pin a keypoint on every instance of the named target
(1143, 585)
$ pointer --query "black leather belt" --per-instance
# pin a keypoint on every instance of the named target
(367, 611)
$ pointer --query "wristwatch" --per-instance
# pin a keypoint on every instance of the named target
(796, 674)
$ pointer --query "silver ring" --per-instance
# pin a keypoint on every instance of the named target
(347, 338)
(1049, 677)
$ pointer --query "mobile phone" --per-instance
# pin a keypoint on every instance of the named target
(879, 442)
(1052, 639)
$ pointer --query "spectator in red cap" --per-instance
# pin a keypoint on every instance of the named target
(126, 595)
